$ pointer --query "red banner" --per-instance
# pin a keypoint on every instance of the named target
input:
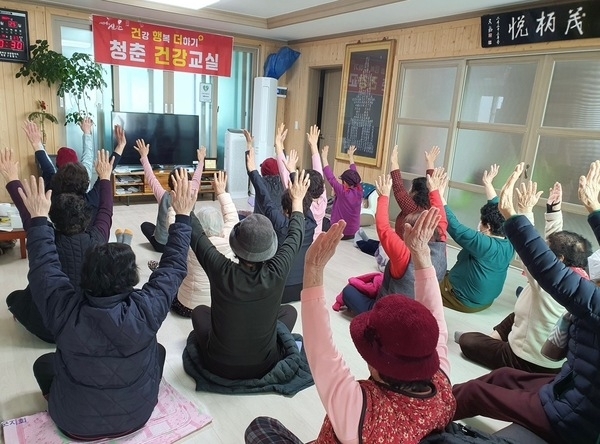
(143, 45)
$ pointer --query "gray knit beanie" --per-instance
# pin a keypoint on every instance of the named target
(254, 239)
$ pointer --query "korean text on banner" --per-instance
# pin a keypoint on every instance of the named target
(143, 45)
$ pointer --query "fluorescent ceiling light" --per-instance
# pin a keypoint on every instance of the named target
(190, 4)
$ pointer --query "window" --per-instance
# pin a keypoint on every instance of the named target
(541, 110)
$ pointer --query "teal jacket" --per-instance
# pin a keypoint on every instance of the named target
(481, 266)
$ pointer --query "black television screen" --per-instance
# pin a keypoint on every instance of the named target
(173, 138)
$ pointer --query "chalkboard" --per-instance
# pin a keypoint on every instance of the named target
(364, 100)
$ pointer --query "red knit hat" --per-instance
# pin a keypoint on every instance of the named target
(65, 155)
(398, 338)
(269, 167)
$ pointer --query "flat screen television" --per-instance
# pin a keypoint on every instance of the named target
(173, 138)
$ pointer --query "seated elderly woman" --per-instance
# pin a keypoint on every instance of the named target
(195, 288)
(478, 276)
(103, 379)
(74, 228)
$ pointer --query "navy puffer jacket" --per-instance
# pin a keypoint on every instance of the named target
(106, 369)
(572, 400)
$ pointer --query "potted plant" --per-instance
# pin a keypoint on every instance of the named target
(76, 76)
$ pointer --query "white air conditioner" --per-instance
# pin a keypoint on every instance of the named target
(235, 163)
(264, 116)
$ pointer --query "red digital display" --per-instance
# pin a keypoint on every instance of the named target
(15, 45)
(14, 39)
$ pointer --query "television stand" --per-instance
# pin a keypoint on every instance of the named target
(158, 166)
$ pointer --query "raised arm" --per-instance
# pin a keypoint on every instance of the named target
(405, 202)
(9, 168)
(87, 153)
(351, 151)
(427, 289)
(338, 188)
(103, 221)
(437, 182)
(34, 136)
(280, 136)
(487, 179)
(121, 140)
(228, 210)
(338, 390)
(158, 293)
(554, 219)
(197, 177)
(144, 149)
(393, 245)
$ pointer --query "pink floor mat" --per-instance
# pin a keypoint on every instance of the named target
(174, 417)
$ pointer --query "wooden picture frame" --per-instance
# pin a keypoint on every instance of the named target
(364, 99)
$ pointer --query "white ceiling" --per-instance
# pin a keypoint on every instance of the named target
(290, 20)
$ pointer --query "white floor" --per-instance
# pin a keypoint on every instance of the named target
(303, 413)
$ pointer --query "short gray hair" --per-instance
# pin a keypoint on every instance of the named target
(211, 220)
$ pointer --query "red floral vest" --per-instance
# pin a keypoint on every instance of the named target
(392, 418)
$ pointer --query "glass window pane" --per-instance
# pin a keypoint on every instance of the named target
(185, 93)
(158, 91)
(134, 89)
(564, 160)
(477, 150)
(412, 143)
(498, 93)
(574, 99)
(466, 205)
(427, 93)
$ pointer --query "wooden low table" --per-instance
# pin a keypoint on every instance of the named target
(16, 233)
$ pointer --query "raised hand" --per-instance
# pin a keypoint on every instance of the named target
(9, 168)
(292, 161)
(298, 189)
(34, 135)
(431, 156)
(280, 136)
(201, 155)
(36, 200)
(438, 180)
(394, 165)
(384, 185)
(183, 196)
(527, 196)
(220, 182)
(142, 147)
(86, 125)
(324, 246)
(104, 165)
(313, 136)
(554, 201)
(250, 159)
(351, 151)
(505, 205)
(488, 176)
(417, 237)
(249, 139)
(589, 187)
(120, 138)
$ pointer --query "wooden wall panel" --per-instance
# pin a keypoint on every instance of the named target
(459, 38)
(19, 99)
